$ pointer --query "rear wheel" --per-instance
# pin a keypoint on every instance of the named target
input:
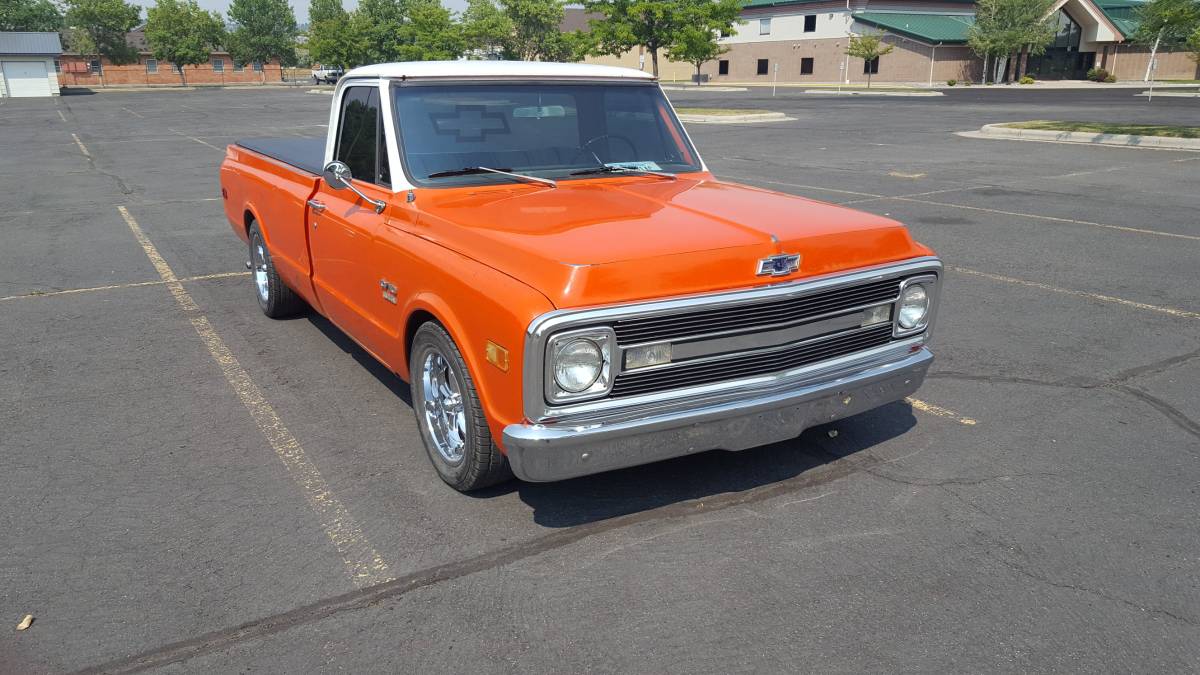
(274, 298)
(449, 415)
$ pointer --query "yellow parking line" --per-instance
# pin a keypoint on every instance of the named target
(136, 284)
(1035, 216)
(82, 148)
(1182, 313)
(364, 564)
(939, 411)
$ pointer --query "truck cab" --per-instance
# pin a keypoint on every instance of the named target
(541, 253)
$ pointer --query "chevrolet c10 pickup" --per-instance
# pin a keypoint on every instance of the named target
(541, 253)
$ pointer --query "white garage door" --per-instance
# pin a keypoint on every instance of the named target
(26, 78)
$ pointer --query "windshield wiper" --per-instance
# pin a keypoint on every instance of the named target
(475, 170)
(608, 168)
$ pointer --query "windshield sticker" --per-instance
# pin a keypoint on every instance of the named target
(469, 123)
(636, 166)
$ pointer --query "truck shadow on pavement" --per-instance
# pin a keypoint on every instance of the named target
(716, 474)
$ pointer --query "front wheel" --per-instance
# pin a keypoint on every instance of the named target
(274, 297)
(449, 415)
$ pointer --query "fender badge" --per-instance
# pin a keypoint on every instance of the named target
(779, 265)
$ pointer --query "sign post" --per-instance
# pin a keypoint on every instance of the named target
(776, 82)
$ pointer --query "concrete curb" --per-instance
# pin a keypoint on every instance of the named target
(1124, 140)
(1173, 93)
(734, 119)
(707, 87)
(863, 92)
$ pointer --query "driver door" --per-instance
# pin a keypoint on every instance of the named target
(345, 228)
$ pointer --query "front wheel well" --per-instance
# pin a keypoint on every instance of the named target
(414, 323)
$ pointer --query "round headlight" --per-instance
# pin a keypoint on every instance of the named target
(577, 365)
(914, 305)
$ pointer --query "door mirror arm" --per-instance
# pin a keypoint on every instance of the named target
(337, 176)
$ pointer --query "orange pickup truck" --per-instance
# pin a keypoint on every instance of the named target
(539, 250)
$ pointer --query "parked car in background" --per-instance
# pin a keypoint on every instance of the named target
(327, 74)
(539, 250)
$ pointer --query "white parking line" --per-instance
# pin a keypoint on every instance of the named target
(193, 138)
(1181, 313)
(61, 116)
(82, 148)
(364, 564)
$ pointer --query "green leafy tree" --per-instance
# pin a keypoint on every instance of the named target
(325, 10)
(263, 30)
(625, 24)
(181, 33)
(868, 47)
(1170, 23)
(29, 15)
(98, 29)
(335, 42)
(431, 33)
(1008, 28)
(704, 22)
(487, 29)
(536, 35)
(1193, 45)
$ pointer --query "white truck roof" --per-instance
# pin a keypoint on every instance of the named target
(497, 70)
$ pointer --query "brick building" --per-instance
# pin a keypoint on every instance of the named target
(805, 41)
(77, 70)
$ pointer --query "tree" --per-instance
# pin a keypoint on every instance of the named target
(868, 47)
(29, 15)
(536, 35)
(320, 11)
(1011, 27)
(181, 33)
(98, 28)
(487, 29)
(652, 24)
(335, 42)
(1166, 22)
(263, 30)
(1193, 45)
(704, 22)
(431, 33)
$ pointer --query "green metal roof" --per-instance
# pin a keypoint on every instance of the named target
(1123, 14)
(931, 28)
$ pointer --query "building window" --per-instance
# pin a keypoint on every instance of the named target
(94, 66)
(806, 66)
(764, 26)
(258, 67)
(723, 67)
(810, 23)
(239, 67)
(152, 66)
(58, 66)
(871, 67)
(177, 68)
(763, 66)
(218, 65)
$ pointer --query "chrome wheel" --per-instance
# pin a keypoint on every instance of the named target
(442, 407)
(258, 263)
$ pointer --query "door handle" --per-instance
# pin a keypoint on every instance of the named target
(316, 206)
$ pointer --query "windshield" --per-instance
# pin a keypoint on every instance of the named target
(544, 130)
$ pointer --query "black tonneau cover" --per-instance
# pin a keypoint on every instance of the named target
(306, 154)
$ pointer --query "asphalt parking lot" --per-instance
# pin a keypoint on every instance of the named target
(202, 489)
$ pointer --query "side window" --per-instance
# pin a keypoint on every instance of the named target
(810, 23)
(361, 144)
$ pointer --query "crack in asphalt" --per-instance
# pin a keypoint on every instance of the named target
(836, 467)
(1117, 383)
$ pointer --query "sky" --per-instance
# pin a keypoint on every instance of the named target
(300, 7)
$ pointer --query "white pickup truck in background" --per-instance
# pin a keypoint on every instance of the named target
(327, 74)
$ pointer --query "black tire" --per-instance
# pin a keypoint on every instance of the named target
(482, 464)
(279, 301)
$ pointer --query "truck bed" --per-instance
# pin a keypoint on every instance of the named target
(306, 154)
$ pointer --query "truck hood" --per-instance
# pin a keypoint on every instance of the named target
(592, 242)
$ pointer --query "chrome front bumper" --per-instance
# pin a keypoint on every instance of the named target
(548, 452)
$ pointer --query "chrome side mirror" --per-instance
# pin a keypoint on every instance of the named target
(338, 176)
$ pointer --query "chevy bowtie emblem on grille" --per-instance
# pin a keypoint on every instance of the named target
(779, 265)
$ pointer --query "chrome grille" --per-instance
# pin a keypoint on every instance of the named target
(748, 317)
(751, 364)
